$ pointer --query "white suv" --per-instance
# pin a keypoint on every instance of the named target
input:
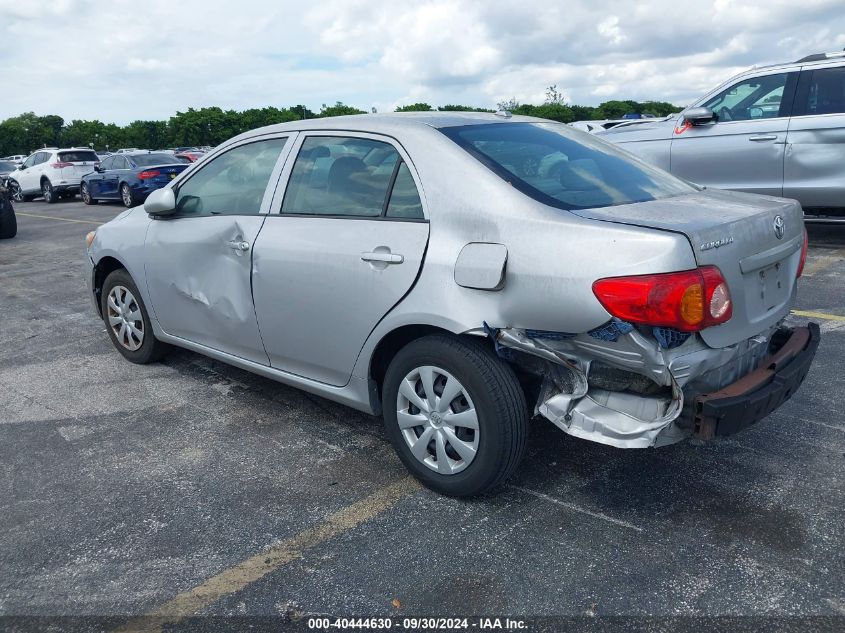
(52, 173)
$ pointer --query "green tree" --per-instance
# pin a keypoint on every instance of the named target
(461, 108)
(415, 107)
(339, 109)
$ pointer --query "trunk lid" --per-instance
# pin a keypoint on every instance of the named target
(736, 232)
(166, 172)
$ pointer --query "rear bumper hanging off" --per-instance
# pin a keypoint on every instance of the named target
(756, 395)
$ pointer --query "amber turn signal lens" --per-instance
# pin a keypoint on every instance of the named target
(692, 305)
(89, 239)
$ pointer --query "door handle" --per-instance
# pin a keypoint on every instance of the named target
(239, 245)
(385, 258)
(763, 137)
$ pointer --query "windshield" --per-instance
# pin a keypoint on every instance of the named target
(148, 160)
(564, 168)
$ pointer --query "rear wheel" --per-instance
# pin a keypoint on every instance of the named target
(86, 194)
(49, 194)
(126, 196)
(127, 320)
(455, 414)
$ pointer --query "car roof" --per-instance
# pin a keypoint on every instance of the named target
(394, 122)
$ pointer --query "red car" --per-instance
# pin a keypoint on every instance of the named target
(190, 157)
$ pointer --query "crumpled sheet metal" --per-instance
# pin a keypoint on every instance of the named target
(621, 419)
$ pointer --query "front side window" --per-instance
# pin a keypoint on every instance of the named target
(107, 163)
(825, 93)
(756, 98)
(343, 176)
(564, 168)
(29, 162)
(233, 183)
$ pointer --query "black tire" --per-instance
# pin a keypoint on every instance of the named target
(86, 196)
(8, 221)
(499, 404)
(126, 196)
(17, 194)
(48, 193)
(151, 349)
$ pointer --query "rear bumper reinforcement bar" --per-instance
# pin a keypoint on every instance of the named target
(756, 395)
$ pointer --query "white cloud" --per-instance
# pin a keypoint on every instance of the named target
(80, 60)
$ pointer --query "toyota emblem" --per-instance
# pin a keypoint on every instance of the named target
(779, 227)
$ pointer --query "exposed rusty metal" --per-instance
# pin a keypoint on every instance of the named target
(705, 426)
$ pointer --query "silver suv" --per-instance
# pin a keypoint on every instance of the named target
(776, 130)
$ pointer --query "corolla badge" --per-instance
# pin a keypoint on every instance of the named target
(724, 241)
(779, 227)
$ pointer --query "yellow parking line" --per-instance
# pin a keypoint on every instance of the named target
(818, 315)
(51, 217)
(256, 567)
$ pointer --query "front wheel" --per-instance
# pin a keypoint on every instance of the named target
(16, 192)
(49, 194)
(455, 414)
(126, 196)
(127, 320)
(86, 194)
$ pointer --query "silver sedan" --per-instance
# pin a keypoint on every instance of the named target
(459, 273)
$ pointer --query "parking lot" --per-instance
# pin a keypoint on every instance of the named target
(193, 488)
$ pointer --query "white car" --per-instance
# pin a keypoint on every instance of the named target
(15, 158)
(52, 173)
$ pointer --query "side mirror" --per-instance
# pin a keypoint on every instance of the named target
(161, 203)
(98, 169)
(20, 165)
(700, 116)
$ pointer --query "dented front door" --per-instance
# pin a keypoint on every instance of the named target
(199, 261)
(198, 272)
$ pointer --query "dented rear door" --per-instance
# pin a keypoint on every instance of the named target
(199, 261)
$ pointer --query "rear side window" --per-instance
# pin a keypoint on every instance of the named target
(564, 168)
(233, 183)
(41, 157)
(404, 199)
(342, 176)
(821, 91)
(78, 157)
(119, 163)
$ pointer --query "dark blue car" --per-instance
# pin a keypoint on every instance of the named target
(129, 177)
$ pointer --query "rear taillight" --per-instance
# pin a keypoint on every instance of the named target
(146, 175)
(690, 300)
(61, 164)
(803, 255)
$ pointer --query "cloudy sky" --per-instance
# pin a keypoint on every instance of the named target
(120, 61)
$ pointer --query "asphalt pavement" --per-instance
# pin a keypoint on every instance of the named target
(191, 487)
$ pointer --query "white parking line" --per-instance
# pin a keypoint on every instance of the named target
(573, 507)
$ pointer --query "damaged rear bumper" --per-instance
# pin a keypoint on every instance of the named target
(756, 395)
(629, 388)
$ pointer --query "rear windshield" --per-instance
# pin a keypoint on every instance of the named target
(78, 157)
(148, 160)
(564, 168)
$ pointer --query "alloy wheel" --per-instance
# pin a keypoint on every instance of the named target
(126, 195)
(17, 193)
(437, 419)
(86, 196)
(124, 318)
(47, 191)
